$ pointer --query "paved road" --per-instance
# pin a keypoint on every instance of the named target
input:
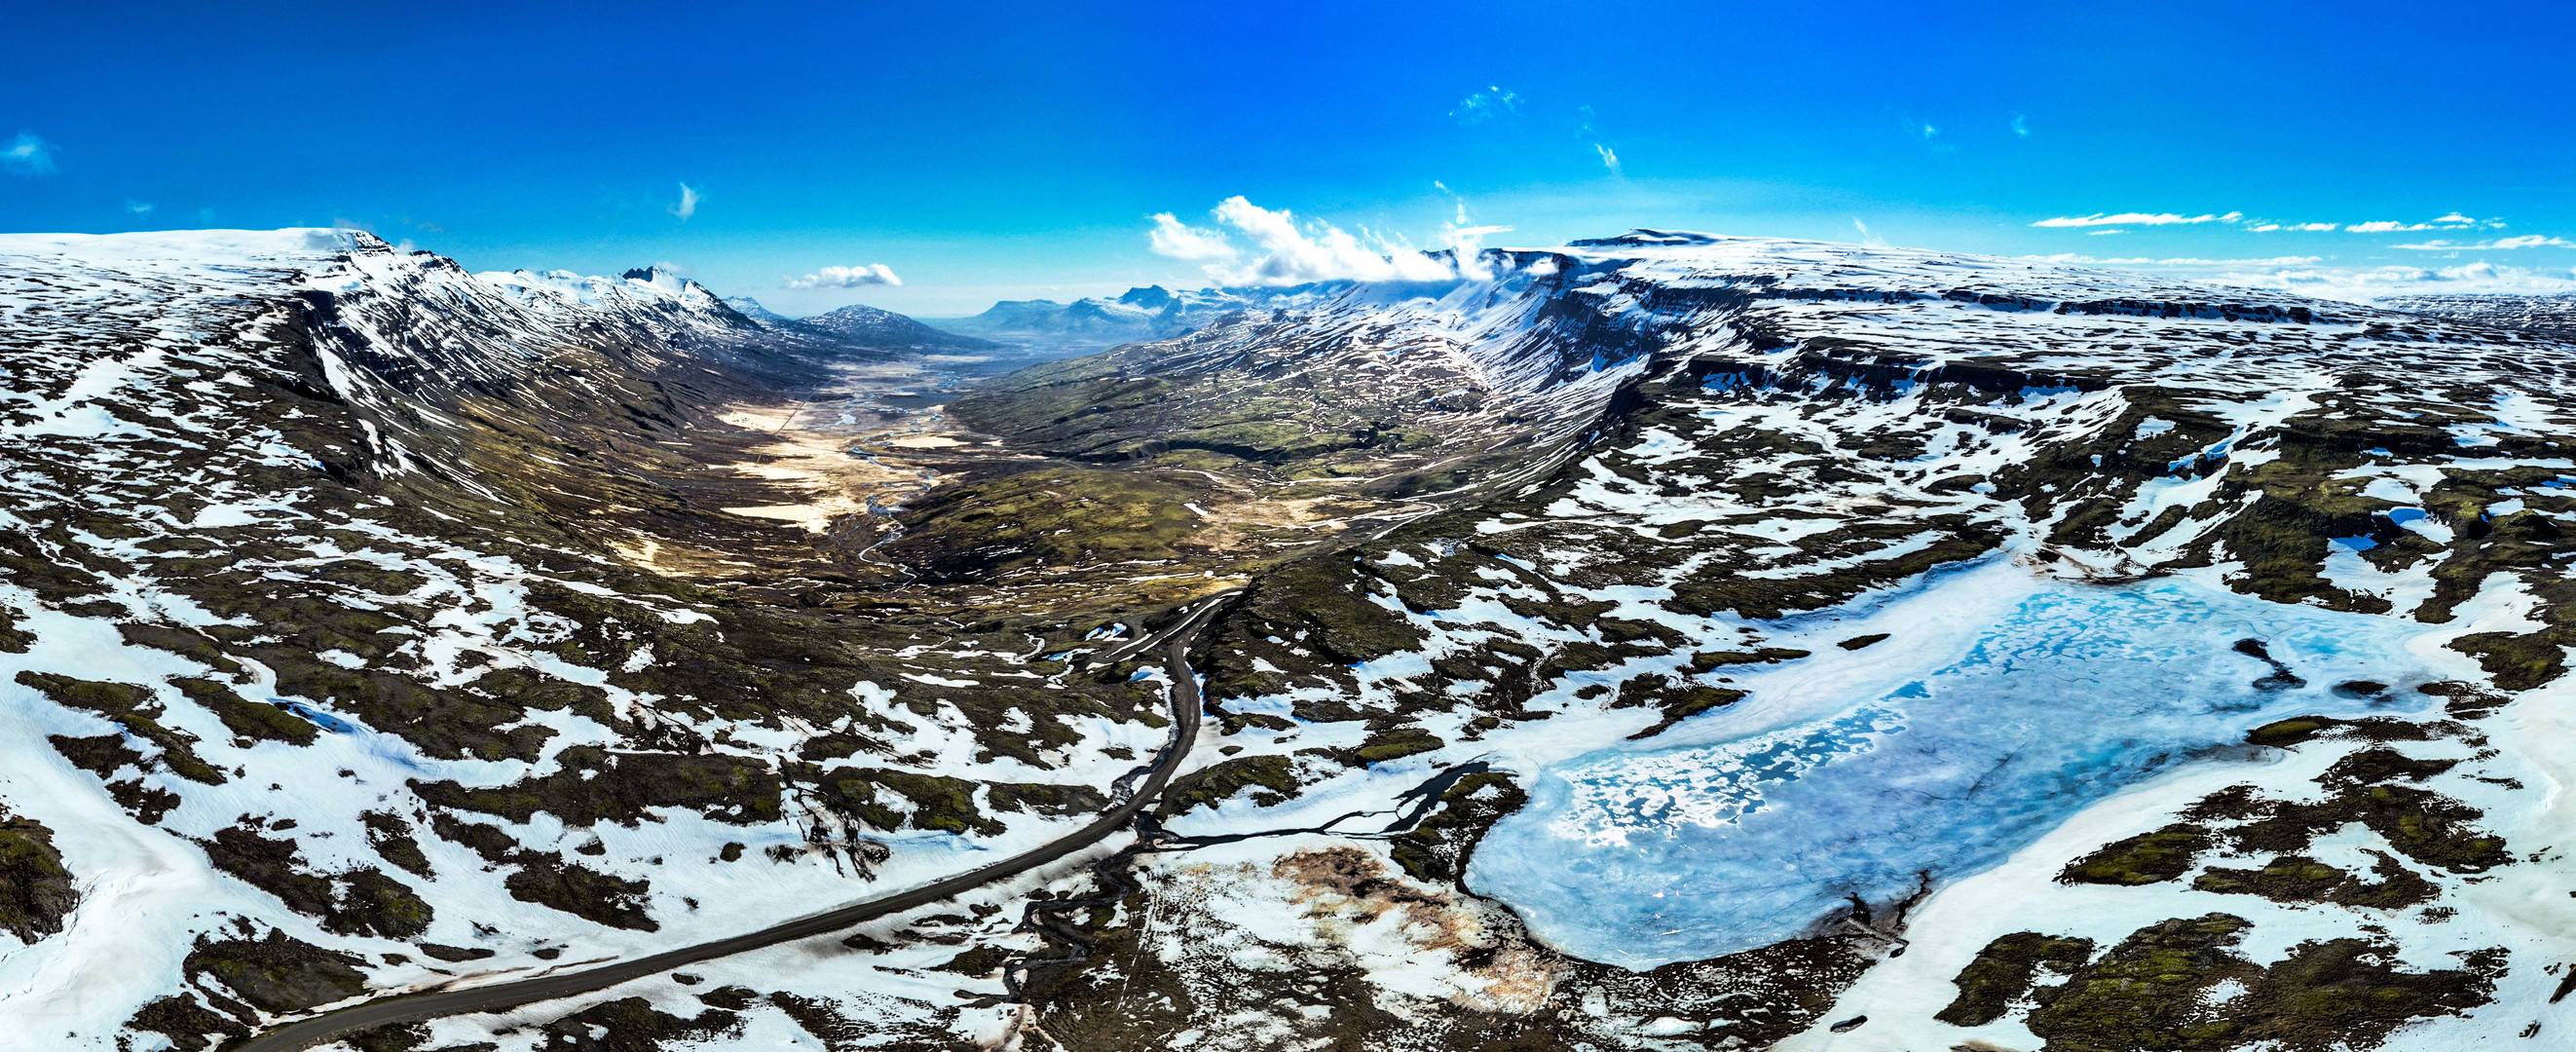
(415, 1007)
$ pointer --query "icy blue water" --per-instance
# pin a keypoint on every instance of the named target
(1641, 858)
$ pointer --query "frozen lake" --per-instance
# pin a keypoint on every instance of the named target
(1822, 788)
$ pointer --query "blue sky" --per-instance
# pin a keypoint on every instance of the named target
(991, 151)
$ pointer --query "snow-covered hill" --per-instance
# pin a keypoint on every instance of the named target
(1896, 600)
(349, 642)
(1672, 641)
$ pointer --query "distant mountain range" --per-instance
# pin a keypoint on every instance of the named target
(863, 326)
(1149, 313)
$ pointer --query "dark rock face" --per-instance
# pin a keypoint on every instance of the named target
(35, 890)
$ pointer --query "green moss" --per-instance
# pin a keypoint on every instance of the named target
(1674, 701)
(592, 785)
(2147, 858)
(1395, 744)
(548, 880)
(1708, 661)
(632, 1023)
(1045, 799)
(185, 642)
(2287, 878)
(361, 901)
(2422, 825)
(1274, 775)
(36, 892)
(2145, 994)
(979, 962)
(2002, 974)
(279, 974)
(257, 721)
(2516, 662)
(2349, 994)
(1437, 847)
(938, 802)
(185, 1022)
(1046, 518)
(133, 708)
(2292, 731)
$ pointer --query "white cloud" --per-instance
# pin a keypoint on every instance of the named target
(846, 278)
(2363, 286)
(688, 205)
(1486, 105)
(2138, 261)
(2020, 127)
(2138, 219)
(2453, 221)
(1930, 131)
(1181, 241)
(1866, 237)
(138, 207)
(1610, 160)
(1295, 253)
(2524, 241)
(28, 155)
(2098, 233)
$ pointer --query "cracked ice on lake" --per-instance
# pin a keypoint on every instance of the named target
(1644, 857)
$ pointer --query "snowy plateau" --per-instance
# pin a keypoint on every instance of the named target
(1667, 642)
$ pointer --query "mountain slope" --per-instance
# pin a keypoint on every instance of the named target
(289, 504)
(1840, 483)
(1672, 642)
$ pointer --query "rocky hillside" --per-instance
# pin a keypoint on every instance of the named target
(1672, 642)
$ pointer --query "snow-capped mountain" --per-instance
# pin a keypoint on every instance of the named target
(871, 327)
(1149, 313)
(751, 308)
(859, 325)
(1673, 641)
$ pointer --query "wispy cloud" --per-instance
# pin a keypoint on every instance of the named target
(2524, 241)
(1592, 131)
(1482, 106)
(1461, 202)
(2363, 286)
(138, 207)
(1866, 236)
(846, 278)
(1288, 252)
(2020, 126)
(2138, 219)
(27, 156)
(2144, 261)
(2099, 233)
(688, 205)
(1180, 240)
(2453, 221)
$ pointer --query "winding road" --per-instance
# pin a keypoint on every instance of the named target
(409, 1008)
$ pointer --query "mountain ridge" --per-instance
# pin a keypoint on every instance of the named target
(558, 610)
